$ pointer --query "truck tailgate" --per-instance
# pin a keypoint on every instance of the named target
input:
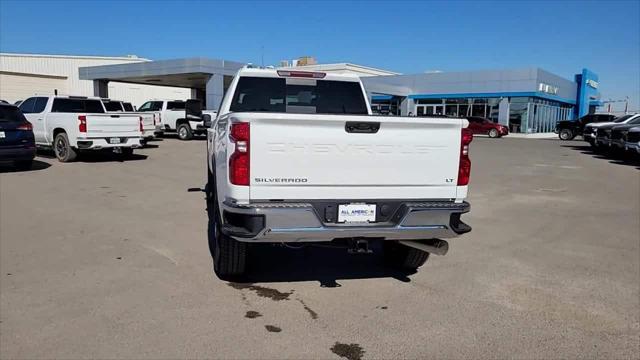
(108, 125)
(298, 156)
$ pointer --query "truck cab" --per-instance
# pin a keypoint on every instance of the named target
(184, 117)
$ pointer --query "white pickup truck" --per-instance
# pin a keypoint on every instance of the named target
(297, 157)
(183, 117)
(150, 120)
(73, 123)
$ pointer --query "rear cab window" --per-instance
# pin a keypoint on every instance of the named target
(70, 105)
(128, 107)
(151, 106)
(176, 105)
(11, 114)
(298, 96)
(112, 105)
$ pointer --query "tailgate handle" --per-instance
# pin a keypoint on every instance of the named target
(362, 127)
(115, 116)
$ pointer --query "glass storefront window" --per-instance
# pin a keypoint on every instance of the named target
(429, 101)
(526, 114)
(451, 110)
(518, 114)
(477, 110)
(463, 110)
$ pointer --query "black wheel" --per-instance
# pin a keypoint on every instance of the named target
(184, 131)
(64, 152)
(493, 133)
(403, 256)
(23, 164)
(229, 255)
(566, 134)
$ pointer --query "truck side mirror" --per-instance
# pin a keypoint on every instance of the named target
(193, 108)
(206, 118)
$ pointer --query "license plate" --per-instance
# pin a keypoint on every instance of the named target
(356, 213)
(2, 136)
(114, 140)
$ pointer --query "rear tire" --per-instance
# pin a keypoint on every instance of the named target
(566, 134)
(64, 152)
(229, 255)
(403, 256)
(184, 131)
(493, 133)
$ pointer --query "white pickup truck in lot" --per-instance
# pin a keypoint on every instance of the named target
(183, 117)
(70, 124)
(297, 157)
(150, 120)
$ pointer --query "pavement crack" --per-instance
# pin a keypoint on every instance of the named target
(313, 314)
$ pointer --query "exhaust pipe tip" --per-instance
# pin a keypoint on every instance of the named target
(432, 246)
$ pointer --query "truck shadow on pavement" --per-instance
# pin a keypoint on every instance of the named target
(37, 165)
(322, 263)
(325, 263)
(96, 156)
(174, 136)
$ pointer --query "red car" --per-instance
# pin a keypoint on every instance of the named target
(484, 126)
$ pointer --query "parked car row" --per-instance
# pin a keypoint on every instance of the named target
(71, 124)
(621, 134)
(569, 129)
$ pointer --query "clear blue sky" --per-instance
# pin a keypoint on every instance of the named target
(408, 37)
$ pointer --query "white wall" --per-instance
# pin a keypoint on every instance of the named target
(138, 94)
(67, 67)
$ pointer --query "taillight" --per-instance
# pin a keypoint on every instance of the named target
(141, 126)
(302, 74)
(239, 160)
(464, 169)
(26, 127)
(82, 123)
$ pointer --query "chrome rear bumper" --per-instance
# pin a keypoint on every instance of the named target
(299, 222)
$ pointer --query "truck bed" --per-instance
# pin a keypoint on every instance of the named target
(300, 156)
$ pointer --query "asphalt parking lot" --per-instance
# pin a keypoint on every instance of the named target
(109, 259)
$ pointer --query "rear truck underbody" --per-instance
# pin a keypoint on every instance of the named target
(407, 231)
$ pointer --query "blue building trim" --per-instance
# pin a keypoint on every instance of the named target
(494, 94)
(587, 91)
(381, 97)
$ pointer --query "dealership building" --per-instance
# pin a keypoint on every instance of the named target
(528, 100)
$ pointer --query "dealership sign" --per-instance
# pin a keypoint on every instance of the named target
(549, 89)
(592, 83)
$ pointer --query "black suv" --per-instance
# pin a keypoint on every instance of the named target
(17, 143)
(569, 129)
